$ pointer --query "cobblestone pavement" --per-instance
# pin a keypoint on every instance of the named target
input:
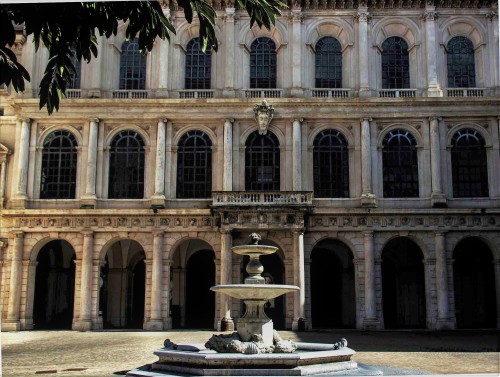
(112, 353)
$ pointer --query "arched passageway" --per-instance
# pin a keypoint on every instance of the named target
(474, 280)
(122, 294)
(54, 286)
(403, 285)
(200, 300)
(193, 273)
(333, 298)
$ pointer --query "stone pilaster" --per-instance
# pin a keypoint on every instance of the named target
(155, 322)
(167, 320)
(443, 320)
(229, 18)
(363, 18)
(429, 18)
(21, 196)
(226, 277)
(297, 155)
(496, 265)
(85, 321)
(4, 154)
(227, 175)
(367, 197)
(158, 198)
(370, 321)
(299, 302)
(437, 196)
(297, 20)
(12, 323)
(89, 199)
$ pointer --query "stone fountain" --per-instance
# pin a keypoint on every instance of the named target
(256, 349)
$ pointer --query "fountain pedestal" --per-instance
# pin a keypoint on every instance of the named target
(255, 321)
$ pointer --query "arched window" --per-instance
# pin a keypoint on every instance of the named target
(468, 164)
(59, 161)
(198, 66)
(395, 64)
(461, 65)
(263, 63)
(126, 166)
(194, 165)
(76, 76)
(132, 66)
(331, 165)
(400, 165)
(328, 63)
(262, 162)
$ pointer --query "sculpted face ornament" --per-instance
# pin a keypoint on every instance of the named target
(263, 115)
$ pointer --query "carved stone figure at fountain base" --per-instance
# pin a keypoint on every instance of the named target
(233, 343)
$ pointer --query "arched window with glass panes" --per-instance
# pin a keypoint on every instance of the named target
(198, 66)
(460, 63)
(395, 64)
(468, 164)
(194, 165)
(331, 165)
(126, 166)
(400, 165)
(328, 60)
(262, 162)
(263, 64)
(132, 67)
(59, 164)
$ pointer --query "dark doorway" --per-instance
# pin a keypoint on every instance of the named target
(333, 298)
(200, 300)
(123, 290)
(274, 273)
(403, 285)
(54, 286)
(474, 279)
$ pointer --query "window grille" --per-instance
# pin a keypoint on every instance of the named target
(126, 166)
(132, 67)
(198, 66)
(331, 165)
(194, 165)
(328, 63)
(395, 64)
(262, 162)
(263, 64)
(400, 165)
(460, 63)
(59, 162)
(468, 164)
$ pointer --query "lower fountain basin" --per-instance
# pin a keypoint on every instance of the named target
(254, 291)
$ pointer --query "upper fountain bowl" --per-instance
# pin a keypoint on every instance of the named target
(254, 291)
(254, 250)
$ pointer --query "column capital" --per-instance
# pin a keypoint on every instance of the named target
(87, 233)
(435, 117)
(298, 231)
(94, 120)
(26, 120)
(441, 233)
(226, 230)
(300, 120)
(229, 120)
(429, 15)
(17, 233)
(98, 262)
(366, 119)
(362, 16)
(158, 233)
(368, 234)
(162, 120)
(29, 262)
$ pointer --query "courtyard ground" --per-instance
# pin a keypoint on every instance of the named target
(112, 353)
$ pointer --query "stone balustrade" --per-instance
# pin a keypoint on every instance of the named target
(277, 198)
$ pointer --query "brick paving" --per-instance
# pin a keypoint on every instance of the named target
(112, 353)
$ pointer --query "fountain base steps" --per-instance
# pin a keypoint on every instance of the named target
(309, 359)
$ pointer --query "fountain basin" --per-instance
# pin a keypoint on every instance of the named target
(254, 250)
(254, 291)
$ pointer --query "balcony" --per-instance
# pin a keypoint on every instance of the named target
(397, 93)
(196, 93)
(73, 93)
(331, 93)
(465, 92)
(118, 94)
(263, 93)
(262, 198)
